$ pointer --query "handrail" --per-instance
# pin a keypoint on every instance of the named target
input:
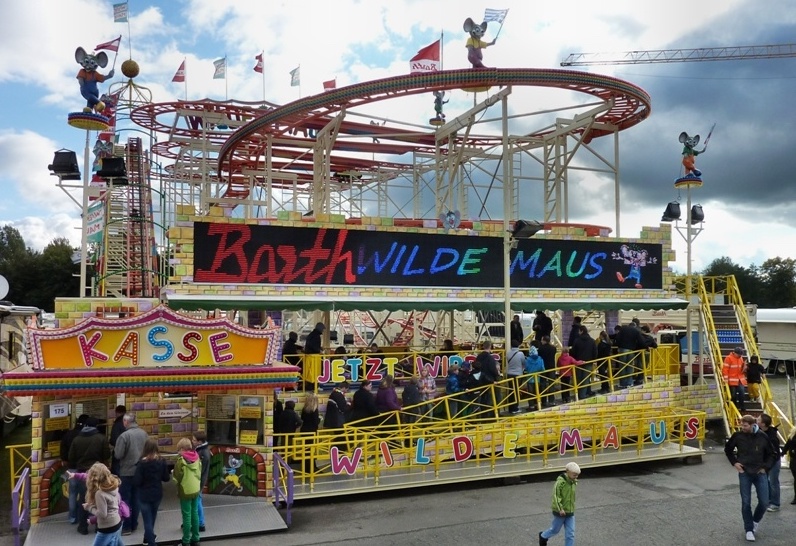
(283, 485)
(730, 413)
(20, 506)
(14, 454)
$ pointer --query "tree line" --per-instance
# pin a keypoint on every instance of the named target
(37, 278)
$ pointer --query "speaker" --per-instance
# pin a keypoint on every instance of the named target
(697, 215)
(112, 167)
(65, 165)
(672, 212)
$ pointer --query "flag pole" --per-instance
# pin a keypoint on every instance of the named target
(185, 76)
(501, 24)
(226, 79)
(262, 56)
(441, 50)
(299, 72)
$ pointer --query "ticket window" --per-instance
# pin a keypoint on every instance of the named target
(57, 420)
(235, 420)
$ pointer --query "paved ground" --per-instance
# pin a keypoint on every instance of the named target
(653, 504)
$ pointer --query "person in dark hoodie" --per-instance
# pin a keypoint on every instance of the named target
(66, 443)
(188, 476)
(203, 450)
(87, 448)
(150, 473)
(116, 430)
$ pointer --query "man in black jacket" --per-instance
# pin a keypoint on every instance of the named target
(363, 405)
(542, 325)
(583, 349)
(548, 353)
(66, 444)
(88, 448)
(628, 339)
(752, 455)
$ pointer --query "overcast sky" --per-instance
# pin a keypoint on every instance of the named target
(749, 190)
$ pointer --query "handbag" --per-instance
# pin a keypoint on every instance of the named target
(124, 510)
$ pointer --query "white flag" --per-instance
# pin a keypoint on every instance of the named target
(220, 71)
(497, 15)
(295, 76)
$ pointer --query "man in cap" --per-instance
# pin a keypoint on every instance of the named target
(563, 506)
(734, 372)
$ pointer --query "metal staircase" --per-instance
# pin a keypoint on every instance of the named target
(127, 267)
(727, 326)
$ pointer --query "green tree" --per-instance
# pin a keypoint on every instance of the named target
(748, 278)
(55, 274)
(16, 261)
(779, 282)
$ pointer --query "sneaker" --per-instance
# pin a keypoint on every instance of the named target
(772, 508)
(202, 528)
(82, 530)
(750, 536)
(515, 412)
(755, 525)
(127, 532)
(542, 540)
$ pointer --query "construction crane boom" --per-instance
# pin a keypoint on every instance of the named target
(682, 55)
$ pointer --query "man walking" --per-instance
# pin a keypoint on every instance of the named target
(563, 506)
(128, 450)
(751, 453)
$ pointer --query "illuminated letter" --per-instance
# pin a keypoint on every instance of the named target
(509, 443)
(570, 438)
(343, 463)
(390, 362)
(165, 343)
(130, 342)
(654, 436)
(462, 448)
(217, 347)
(193, 351)
(420, 457)
(354, 364)
(691, 428)
(436, 268)
(87, 348)
(611, 438)
(597, 267)
(373, 366)
(467, 260)
(386, 454)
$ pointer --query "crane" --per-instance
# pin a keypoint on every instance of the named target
(682, 55)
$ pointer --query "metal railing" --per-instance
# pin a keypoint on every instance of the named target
(18, 460)
(283, 486)
(20, 506)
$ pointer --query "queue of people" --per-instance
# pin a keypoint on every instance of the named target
(113, 503)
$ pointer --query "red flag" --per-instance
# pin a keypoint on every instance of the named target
(329, 85)
(113, 45)
(259, 66)
(426, 60)
(179, 76)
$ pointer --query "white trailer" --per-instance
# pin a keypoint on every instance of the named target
(776, 339)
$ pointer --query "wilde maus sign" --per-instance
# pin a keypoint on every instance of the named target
(253, 254)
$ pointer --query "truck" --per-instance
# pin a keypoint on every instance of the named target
(776, 339)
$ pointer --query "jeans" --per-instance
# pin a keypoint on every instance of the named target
(583, 380)
(201, 511)
(626, 371)
(80, 498)
(773, 483)
(738, 393)
(129, 493)
(514, 395)
(149, 513)
(73, 498)
(746, 481)
(109, 539)
(190, 520)
(568, 522)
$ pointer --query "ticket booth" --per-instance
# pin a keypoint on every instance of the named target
(176, 374)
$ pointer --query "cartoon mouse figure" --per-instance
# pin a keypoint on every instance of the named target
(231, 470)
(474, 43)
(450, 220)
(89, 77)
(689, 154)
(636, 259)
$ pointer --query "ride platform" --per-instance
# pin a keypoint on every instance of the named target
(226, 516)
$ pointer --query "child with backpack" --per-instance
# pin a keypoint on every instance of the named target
(188, 476)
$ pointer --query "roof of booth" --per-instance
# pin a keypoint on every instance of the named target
(193, 302)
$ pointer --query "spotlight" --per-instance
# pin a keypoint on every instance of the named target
(672, 212)
(526, 229)
(697, 215)
(64, 165)
(113, 168)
